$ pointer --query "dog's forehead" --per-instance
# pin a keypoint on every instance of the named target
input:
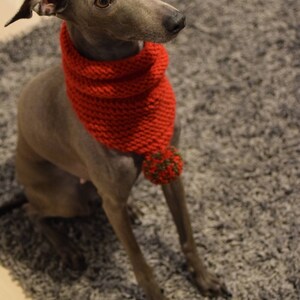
(119, 7)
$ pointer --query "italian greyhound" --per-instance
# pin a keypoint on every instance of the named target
(54, 151)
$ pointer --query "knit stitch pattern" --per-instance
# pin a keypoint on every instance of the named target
(128, 104)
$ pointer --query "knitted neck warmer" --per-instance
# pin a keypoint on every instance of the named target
(127, 105)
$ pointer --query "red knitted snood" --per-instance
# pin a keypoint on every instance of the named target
(127, 105)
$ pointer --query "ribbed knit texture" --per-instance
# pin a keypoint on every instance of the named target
(127, 105)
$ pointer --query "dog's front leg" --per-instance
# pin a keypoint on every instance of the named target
(116, 211)
(207, 283)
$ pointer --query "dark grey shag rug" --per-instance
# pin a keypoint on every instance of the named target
(236, 72)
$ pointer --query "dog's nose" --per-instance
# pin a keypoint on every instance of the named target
(174, 23)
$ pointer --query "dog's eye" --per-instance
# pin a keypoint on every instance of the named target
(103, 3)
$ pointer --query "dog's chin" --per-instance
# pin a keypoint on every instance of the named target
(164, 39)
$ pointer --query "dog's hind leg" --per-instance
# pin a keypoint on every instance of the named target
(67, 250)
(51, 192)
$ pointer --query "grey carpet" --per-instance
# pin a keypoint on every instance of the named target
(236, 72)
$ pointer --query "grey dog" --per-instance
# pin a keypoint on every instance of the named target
(54, 150)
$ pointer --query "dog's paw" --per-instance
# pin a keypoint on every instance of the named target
(72, 258)
(151, 288)
(210, 286)
(155, 294)
(74, 262)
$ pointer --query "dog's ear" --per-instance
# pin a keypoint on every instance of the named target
(41, 7)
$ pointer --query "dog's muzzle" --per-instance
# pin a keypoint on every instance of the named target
(174, 23)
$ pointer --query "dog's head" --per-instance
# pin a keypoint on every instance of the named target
(147, 20)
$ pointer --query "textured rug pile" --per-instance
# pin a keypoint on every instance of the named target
(236, 73)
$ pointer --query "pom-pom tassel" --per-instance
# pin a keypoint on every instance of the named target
(163, 167)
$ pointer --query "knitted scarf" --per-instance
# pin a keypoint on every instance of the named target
(127, 105)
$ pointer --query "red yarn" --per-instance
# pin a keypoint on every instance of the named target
(163, 167)
(127, 105)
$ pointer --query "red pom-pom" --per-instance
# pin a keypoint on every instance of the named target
(163, 167)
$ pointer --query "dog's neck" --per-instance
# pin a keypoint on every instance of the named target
(101, 47)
